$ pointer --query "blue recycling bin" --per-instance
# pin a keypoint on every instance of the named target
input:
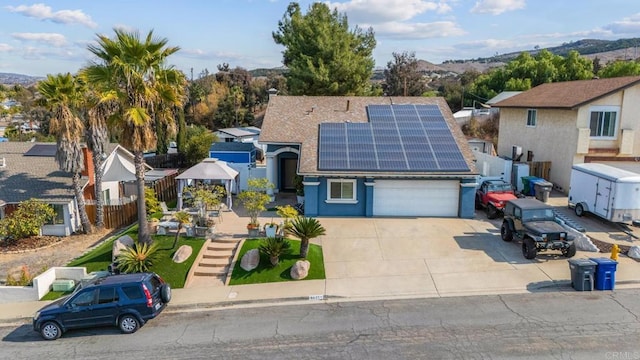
(605, 278)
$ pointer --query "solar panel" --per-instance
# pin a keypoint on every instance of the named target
(398, 138)
(48, 150)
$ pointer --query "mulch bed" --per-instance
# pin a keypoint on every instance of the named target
(30, 243)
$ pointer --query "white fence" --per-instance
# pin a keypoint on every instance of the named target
(41, 284)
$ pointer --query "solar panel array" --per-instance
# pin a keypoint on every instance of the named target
(396, 138)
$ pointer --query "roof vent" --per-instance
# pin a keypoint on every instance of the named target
(3, 163)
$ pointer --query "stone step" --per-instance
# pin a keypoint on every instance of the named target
(213, 246)
(207, 271)
(215, 262)
(225, 240)
(218, 255)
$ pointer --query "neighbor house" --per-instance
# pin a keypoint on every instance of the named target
(574, 122)
(370, 156)
(29, 170)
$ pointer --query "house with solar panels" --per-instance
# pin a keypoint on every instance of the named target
(370, 156)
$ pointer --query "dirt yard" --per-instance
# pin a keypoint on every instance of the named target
(39, 254)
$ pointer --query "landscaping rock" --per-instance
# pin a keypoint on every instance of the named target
(300, 269)
(583, 243)
(250, 260)
(182, 254)
(634, 252)
(122, 242)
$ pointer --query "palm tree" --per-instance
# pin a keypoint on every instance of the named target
(183, 218)
(133, 74)
(64, 95)
(97, 137)
(305, 229)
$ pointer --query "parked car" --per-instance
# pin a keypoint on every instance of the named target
(492, 195)
(533, 222)
(126, 301)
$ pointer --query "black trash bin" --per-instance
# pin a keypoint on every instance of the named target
(542, 189)
(582, 274)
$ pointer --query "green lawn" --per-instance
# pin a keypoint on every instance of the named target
(175, 274)
(265, 273)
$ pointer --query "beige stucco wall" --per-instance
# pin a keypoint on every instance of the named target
(554, 138)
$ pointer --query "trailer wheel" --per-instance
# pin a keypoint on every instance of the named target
(579, 209)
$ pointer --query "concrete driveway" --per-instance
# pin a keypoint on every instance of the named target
(435, 257)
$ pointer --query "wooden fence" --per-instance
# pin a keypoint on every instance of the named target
(166, 188)
(540, 169)
(115, 216)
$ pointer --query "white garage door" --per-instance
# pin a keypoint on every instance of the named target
(416, 198)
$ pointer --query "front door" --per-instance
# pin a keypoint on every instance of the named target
(287, 174)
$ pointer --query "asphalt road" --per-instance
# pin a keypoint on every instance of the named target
(553, 325)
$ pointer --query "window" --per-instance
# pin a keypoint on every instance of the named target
(132, 292)
(59, 217)
(603, 122)
(107, 295)
(86, 298)
(341, 190)
(532, 117)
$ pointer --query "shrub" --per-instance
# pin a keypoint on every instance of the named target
(26, 220)
(274, 247)
(151, 202)
(137, 258)
(25, 278)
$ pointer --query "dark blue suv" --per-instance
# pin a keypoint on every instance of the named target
(126, 301)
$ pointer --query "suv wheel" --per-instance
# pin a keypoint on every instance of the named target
(492, 212)
(579, 209)
(505, 232)
(529, 248)
(570, 251)
(165, 293)
(50, 330)
(129, 324)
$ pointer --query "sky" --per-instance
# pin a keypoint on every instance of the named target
(40, 38)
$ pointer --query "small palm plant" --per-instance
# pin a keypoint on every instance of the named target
(137, 258)
(183, 218)
(305, 229)
(274, 247)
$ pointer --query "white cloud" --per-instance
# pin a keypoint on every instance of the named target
(5, 47)
(48, 38)
(485, 44)
(399, 30)
(44, 12)
(380, 11)
(628, 25)
(497, 7)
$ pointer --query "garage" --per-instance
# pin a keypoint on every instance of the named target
(416, 198)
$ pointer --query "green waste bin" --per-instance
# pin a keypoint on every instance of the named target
(527, 185)
(582, 274)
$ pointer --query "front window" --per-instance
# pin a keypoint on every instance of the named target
(341, 190)
(603, 122)
(59, 217)
(538, 215)
(532, 117)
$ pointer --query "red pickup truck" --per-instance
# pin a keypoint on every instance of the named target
(492, 196)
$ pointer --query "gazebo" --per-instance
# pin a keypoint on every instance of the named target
(208, 169)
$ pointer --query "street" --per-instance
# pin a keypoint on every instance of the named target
(559, 325)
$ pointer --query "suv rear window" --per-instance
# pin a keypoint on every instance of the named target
(132, 292)
(155, 284)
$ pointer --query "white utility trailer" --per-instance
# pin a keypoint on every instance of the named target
(606, 191)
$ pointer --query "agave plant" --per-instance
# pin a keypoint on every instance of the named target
(137, 258)
(274, 247)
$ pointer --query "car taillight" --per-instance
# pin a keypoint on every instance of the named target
(147, 294)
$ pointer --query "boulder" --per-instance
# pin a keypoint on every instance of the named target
(300, 269)
(122, 242)
(634, 252)
(250, 260)
(583, 243)
(182, 254)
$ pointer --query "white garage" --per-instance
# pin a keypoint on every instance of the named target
(416, 198)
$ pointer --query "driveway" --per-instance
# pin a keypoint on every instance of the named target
(432, 257)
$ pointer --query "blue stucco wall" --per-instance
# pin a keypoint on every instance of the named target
(234, 157)
(466, 207)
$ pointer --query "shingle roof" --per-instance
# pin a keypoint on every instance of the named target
(296, 119)
(568, 94)
(25, 177)
(232, 146)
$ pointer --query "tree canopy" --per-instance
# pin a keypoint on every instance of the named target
(323, 56)
(402, 76)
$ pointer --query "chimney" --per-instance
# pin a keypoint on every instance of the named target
(272, 92)
(88, 165)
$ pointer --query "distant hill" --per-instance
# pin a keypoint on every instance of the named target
(13, 79)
